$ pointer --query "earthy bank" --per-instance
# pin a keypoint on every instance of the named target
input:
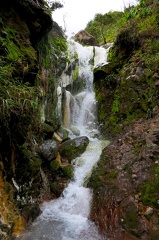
(126, 179)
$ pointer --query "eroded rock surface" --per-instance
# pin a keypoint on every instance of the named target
(125, 184)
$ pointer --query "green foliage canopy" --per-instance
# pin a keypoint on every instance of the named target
(104, 26)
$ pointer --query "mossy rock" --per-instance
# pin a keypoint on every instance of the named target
(75, 130)
(67, 171)
(48, 130)
(131, 219)
(52, 124)
(48, 150)
(63, 133)
(55, 166)
(57, 187)
(30, 212)
(54, 188)
(30, 164)
(73, 148)
(77, 85)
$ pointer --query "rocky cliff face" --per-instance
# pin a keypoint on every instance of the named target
(125, 182)
(29, 58)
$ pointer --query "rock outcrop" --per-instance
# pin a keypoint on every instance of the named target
(73, 148)
(27, 89)
(85, 38)
(125, 182)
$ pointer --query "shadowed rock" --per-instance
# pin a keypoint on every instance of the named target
(86, 38)
(73, 148)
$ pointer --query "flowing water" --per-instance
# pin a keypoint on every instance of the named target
(67, 218)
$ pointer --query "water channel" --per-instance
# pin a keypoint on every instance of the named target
(67, 218)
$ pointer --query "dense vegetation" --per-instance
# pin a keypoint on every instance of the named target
(105, 27)
(135, 53)
(126, 90)
(128, 106)
(32, 56)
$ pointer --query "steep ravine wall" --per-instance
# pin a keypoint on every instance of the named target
(126, 180)
(30, 49)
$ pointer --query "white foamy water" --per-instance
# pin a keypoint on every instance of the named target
(67, 218)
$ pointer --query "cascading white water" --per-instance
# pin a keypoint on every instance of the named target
(67, 218)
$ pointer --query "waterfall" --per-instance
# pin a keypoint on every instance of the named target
(67, 218)
(83, 115)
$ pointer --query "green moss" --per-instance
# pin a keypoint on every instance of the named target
(73, 148)
(54, 188)
(55, 166)
(29, 165)
(150, 192)
(75, 73)
(115, 107)
(112, 174)
(54, 50)
(97, 174)
(138, 146)
(102, 112)
(131, 220)
(67, 172)
(35, 165)
(113, 124)
(148, 198)
(135, 95)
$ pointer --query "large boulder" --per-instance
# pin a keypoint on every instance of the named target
(48, 150)
(85, 38)
(73, 148)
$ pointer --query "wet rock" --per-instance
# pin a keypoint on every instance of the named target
(48, 130)
(67, 172)
(75, 130)
(63, 133)
(58, 186)
(149, 211)
(73, 148)
(54, 124)
(48, 150)
(30, 212)
(85, 38)
(54, 166)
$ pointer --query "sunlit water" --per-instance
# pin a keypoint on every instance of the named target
(67, 218)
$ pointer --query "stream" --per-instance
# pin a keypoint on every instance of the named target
(67, 218)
